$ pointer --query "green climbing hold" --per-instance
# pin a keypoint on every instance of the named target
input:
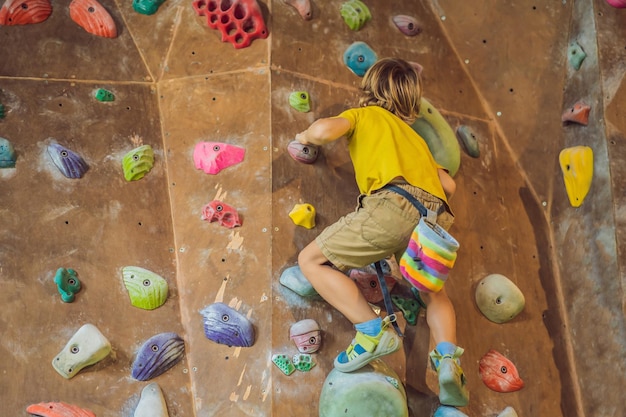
(67, 283)
(299, 100)
(147, 7)
(303, 362)
(355, 13)
(146, 289)
(576, 55)
(1, 111)
(284, 363)
(104, 95)
(410, 308)
(138, 162)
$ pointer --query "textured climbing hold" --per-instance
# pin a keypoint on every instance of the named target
(227, 326)
(69, 163)
(212, 157)
(365, 392)
(575, 55)
(58, 409)
(157, 354)
(577, 167)
(93, 17)
(283, 362)
(303, 362)
(306, 335)
(359, 57)
(407, 25)
(303, 215)
(217, 211)
(137, 163)
(300, 101)
(2, 114)
(355, 13)
(146, 289)
(86, 347)
(469, 140)
(409, 306)
(508, 412)
(619, 4)
(104, 95)
(578, 113)
(67, 284)
(293, 279)
(239, 21)
(439, 137)
(24, 12)
(7, 154)
(499, 373)
(147, 7)
(151, 403)
(498, 298)
(447, 411)
(367, 281)
(302, 6)
(307, 154)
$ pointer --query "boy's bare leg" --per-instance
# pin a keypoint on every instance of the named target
(440, 316)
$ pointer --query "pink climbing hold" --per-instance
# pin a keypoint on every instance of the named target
(369, 286)
(579, 113)
(239, 21)
(619, 4)
(226, 215)
(212, 157)
(302, 6)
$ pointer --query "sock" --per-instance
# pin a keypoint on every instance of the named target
(446, 348)
(371, 327)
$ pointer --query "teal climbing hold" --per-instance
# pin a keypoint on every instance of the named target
(1, 111)
(439, 137)
(303, 362)
(7, 154)
(284, 363)
(293, 279)
(447, 411)
(355, 13)
(359, 57)
(410, 308)
(147, 7)
(104, 95)
(576, 55)
(300, 101)
(67, 283)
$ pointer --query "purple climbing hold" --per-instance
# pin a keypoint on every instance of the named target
(407, 25)
(69, 163)
(157, 355)
(227, 326)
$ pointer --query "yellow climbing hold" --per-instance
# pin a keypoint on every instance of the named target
(303, 215)
(577, 166)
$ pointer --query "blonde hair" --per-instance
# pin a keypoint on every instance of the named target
(395, 85)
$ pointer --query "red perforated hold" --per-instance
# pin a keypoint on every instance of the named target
(240, 21)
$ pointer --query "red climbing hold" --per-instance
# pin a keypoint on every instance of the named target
(239, 21)
(18, 12)
(579, 113)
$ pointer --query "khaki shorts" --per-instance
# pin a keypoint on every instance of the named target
(381, 226)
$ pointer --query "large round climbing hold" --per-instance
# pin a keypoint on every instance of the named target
(374, 390)
(498, 298)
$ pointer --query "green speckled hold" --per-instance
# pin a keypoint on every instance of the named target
(138, 162)
(355, 13)
(439, 137)
(409, 306)
(300, 101)
(303, 362)
(7, 154)
(147, 7)
(104, 95)
(67, 283)
(284, 364)
(576, 55)
(146, 289)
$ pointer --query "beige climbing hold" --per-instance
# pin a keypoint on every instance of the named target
(498, 298)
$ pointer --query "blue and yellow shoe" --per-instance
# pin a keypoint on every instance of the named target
(452, 383)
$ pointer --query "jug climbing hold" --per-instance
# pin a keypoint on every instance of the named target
(355, 13)
(498, 298)
(157, 354)
(146, 289)
(293, 279)
(367, 281)
(306, 335)
(147, 7)
(409, 306)
(307, 154)
(137, 163)
(302, 6)
(284, 363)
(239, 21)
(151, 403)
(300, 101)
(227, 326)
(69, 163)
(407, 25)
(7, 154)
(619, 4)
(24, 12)
(86, 347)
(58, 409)
(447, 411)
(439, 137)
(67, 284)
(578, 113)
(369, 391)
(93, 17)
(303, 215)
(575, 55)
(499, 373)
(359, 57)
(469, 140)
(508, 412)
(212, 157)
(577, 167)
(226, 215)
(303, 362)
(104, 95)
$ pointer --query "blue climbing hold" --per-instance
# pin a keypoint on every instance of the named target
(359, 57)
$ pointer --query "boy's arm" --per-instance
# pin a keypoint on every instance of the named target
(447, 182)
(323, 131)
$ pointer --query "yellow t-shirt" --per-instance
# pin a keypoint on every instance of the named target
(382, 147)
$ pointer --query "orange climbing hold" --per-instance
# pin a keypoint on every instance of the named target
(579, 113)
(93, 17)
(239, 21)
(24, 12)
